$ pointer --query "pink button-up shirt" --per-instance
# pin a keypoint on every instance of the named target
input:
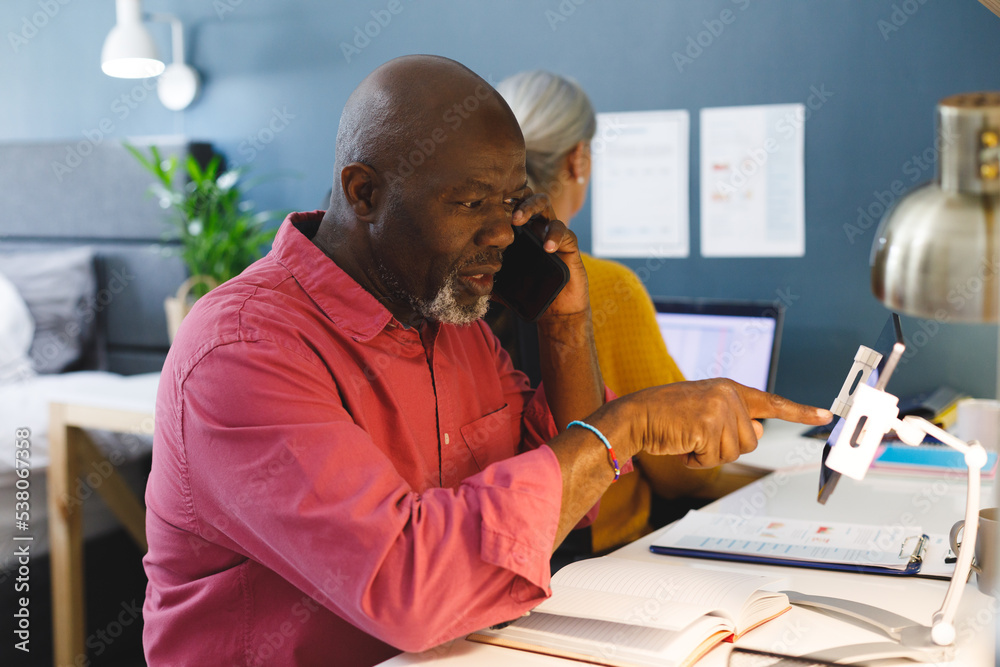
(328, 485)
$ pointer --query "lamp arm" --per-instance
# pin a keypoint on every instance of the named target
(176, 34)
(911, 431)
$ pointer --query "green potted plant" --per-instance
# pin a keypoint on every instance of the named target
(220, 233)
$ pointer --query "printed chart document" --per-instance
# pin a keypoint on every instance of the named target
(753, 181)
(639, 181)
(614, 611)
(817, 544)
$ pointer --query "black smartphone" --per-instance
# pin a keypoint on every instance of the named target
(529, 279)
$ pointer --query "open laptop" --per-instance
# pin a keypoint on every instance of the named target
(738, 340)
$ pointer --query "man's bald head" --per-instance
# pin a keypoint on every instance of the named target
(429, 170)
(404, 109)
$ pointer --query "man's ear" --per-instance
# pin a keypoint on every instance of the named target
(361, 186)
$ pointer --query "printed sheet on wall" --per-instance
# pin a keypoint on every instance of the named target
(640, 184)
(752, 181)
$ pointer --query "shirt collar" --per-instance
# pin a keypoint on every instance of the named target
(348, 305)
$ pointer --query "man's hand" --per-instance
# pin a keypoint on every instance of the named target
(556, 238)
(710, 422)
(566, 353)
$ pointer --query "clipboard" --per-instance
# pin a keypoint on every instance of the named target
(819, 545)
(912, 567)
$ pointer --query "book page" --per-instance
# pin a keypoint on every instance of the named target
(788, 539)
(608, 643)
(652, 611)
(651, 593)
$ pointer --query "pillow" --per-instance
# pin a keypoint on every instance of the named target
(17, 329)
(59, 288)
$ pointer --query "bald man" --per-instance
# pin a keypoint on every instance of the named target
(346, 464)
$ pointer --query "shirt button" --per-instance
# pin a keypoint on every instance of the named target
(519, 557)
(446, 439)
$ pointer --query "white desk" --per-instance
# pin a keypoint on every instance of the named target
(930, 503)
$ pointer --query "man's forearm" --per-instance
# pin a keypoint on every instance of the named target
(585, 463)
(568, 359)
(574, 389)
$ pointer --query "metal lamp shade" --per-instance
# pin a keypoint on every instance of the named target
(935, 253)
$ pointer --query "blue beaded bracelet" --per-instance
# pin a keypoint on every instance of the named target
(611, 452)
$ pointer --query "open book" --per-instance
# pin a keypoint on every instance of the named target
(613, 611)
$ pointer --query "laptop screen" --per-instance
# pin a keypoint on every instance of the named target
(738, 340)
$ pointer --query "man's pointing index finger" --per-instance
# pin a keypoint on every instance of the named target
(763, 405)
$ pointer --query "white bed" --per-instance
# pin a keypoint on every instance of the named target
(24, 404)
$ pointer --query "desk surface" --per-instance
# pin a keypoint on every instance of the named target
(782, 447)
(932, 504)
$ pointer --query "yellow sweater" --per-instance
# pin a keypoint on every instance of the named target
(633, 356)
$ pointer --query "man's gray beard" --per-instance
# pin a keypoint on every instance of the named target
(444, 307)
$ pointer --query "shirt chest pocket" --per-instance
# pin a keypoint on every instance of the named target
(493, 437)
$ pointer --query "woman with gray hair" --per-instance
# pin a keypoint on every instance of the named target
(558, 122)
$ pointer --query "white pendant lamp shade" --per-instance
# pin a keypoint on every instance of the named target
(129, 51)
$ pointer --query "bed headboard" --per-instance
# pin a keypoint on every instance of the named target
(58, 195)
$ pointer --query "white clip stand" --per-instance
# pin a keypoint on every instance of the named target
(873, 414)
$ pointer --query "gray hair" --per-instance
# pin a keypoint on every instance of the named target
(554, 114)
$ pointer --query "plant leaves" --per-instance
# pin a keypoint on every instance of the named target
(220, 232)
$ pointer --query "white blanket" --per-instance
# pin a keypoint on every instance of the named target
(25, 404)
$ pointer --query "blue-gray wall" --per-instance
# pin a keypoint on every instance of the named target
(281, 63)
